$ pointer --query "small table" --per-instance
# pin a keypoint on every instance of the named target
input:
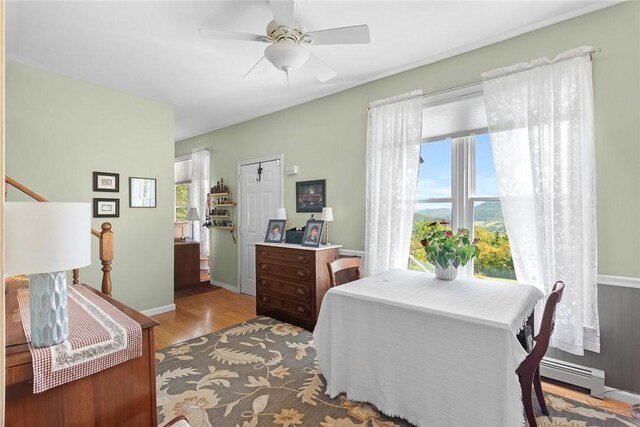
(186, 265)
(433, 352)
(123, 395)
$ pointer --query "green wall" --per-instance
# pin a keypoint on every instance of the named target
(334, 130)
(59, 130)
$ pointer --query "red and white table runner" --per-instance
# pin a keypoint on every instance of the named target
(100, 336)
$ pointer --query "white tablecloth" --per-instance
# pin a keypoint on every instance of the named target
(436, 353)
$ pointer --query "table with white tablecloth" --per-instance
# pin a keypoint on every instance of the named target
(434, 352)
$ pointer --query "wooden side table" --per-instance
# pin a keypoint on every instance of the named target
(124, 395)
(186, 265)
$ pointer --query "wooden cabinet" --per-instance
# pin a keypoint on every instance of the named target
(291, 281)
(123, 395)
(186, 265)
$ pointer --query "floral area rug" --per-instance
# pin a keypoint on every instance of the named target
(263, 373)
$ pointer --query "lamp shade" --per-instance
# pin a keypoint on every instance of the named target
(46, 237)
(327, 214)
(282, 213)
(192, 215)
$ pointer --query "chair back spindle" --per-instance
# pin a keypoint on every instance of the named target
(529, 370)
(343, 264)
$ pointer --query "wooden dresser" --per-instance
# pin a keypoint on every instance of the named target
(291, 281)
(124, 395)
(186, 264)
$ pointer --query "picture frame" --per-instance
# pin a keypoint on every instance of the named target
(142, 192)
(275, 231)
(106, 208)
(313, 233)
(106, 181)
(311, 196)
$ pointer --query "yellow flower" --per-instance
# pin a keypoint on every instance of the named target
(361, 411)
(280, 372)
(283, 329)
(288, 417)
(188, 402)
(339, 422)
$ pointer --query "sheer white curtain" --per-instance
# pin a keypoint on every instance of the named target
(200, 184)
(542, 134)
(394, 130)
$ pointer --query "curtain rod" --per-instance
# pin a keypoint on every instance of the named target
(592, 52)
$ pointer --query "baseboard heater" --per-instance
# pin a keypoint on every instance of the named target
(578, 375)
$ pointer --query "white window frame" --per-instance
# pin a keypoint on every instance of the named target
(463, 165)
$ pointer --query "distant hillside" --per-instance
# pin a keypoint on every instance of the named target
(488, 211)
(487, 214)
(433, 215)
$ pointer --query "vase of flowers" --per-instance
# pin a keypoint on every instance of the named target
(447, 250)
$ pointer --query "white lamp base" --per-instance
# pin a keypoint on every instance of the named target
(48, 309)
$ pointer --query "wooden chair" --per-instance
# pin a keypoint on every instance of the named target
(343, 264)
(529, 370)
(179, 421)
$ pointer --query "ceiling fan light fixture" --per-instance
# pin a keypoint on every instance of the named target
(286, 55)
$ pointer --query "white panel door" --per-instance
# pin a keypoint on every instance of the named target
(259, 202)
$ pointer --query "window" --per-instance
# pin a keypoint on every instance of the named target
(457, 183)
(182, 172)
(182, 201)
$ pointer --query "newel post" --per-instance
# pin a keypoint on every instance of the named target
(106, 256)
(76, 273)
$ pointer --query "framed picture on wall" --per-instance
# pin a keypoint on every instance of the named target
(142, 192)
(106, 208)
(312, 233)
(311, 195)
(275, 231)
(105, 181)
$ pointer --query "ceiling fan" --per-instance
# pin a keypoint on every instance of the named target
(287, 39)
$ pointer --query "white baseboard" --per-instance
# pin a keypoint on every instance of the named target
(159, 310)
(233, 289)
(622, 395)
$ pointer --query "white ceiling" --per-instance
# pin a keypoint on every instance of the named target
(153, 49)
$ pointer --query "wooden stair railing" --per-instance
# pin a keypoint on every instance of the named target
(105, 236)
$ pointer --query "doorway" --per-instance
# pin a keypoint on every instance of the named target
(260, 191)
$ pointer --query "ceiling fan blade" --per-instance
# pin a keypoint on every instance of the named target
(260, 70)
(231, 35)
(358, 34)
(283, 12)
(319, 68)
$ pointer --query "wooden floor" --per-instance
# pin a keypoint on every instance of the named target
(201, 314)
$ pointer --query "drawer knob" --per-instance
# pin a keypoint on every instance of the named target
(264, 267)
(300, 258)
(264, 298)
(300, 291)
(301, 309)
(300, 273)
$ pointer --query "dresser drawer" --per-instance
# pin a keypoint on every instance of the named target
(295, 257)
(290, 271)
(294, 308)
(291, 290)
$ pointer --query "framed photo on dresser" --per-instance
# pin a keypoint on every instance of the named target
(275, 231)
(313, 233)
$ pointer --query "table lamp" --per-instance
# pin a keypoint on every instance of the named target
(44, 240)
(192, 216)
(327, 216)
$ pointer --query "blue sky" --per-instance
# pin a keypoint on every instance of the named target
(434, 178)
